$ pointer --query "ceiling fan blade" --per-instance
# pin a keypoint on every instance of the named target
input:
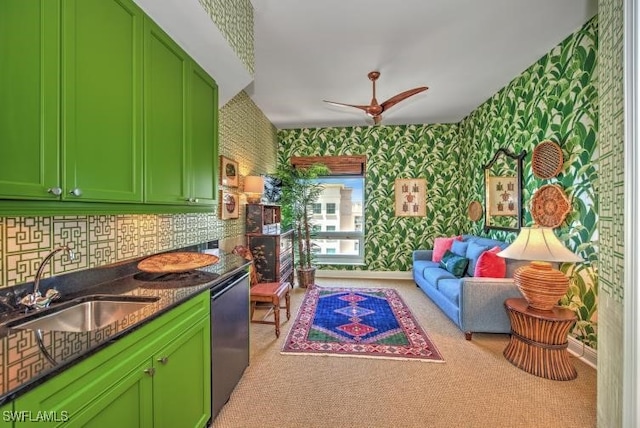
(401, 96)
(364, 108)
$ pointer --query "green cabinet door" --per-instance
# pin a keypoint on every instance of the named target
(203, 136)
(126, 403)
(29, 95)
(102, 100)
(7, 416)
(166, 68)
(109, 390)
(182, 382)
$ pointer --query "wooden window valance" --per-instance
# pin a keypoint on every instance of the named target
(339, 165)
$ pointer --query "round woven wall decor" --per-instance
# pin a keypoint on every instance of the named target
(546, 161)
(474, 211)
(549, 206)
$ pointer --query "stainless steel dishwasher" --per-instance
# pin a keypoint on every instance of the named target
(229, 337)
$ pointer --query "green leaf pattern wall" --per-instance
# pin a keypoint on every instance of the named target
(554, 99)
(411, 151)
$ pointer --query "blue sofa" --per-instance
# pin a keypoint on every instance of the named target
(475, 305)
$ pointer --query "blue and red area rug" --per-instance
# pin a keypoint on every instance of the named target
(358, 322)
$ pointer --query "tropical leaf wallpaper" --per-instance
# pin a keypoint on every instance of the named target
(411, 151)
(554, 99)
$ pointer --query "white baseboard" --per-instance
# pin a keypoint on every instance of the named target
(584, 353)
(367, 274)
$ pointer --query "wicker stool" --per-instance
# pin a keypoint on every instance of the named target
(271, 292)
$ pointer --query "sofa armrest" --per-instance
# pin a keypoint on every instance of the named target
(422, 255)
(482, 304)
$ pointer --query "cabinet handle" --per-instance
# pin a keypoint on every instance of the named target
(150, 371)
(75, 192)
(163, 360)
(56, 191)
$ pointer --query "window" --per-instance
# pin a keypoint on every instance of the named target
(339, 239)
(317, 208)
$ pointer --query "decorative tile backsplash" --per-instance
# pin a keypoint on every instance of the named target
(96, 240)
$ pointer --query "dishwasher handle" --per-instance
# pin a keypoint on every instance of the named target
(216, 293)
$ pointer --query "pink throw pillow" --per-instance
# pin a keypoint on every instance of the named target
(441, 245)
(490, 265)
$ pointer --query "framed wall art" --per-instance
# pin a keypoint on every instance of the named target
(503, 191)
(229, 205)
(229, 175)
(411, 197)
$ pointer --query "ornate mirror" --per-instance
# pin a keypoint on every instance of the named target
(503, 191)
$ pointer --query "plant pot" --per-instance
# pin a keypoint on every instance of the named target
(306, 277)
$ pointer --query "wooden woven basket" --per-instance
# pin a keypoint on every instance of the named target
(549, 206)
(546, 160)
(474, 211)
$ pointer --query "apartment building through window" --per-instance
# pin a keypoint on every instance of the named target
(339, 227)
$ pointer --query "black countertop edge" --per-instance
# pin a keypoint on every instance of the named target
(239, 267)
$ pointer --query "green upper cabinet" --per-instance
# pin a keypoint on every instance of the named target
(203, 136)
(102, 45)
(99, 105)
(180, 116)
(29, 99)
(166, 69)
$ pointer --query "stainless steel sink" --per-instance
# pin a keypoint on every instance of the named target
(86, 314)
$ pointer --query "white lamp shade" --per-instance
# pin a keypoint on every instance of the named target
(539, 244)
(253, 184)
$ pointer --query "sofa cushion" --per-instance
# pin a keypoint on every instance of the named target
(420, 265)
(490, 265)
(459, 248)
(440, 245)
(450, 288)
(433, 276)
(454, 263)
(473, 253)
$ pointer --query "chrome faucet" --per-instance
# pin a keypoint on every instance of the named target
(35, 299)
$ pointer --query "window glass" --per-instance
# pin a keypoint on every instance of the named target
(339, 231)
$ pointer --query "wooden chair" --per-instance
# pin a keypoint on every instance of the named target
(271, 293)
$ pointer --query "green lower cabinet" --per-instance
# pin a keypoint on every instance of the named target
(182, 380)
(158, 376)
(6, 415)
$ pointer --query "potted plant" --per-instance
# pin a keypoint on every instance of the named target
(299, 192)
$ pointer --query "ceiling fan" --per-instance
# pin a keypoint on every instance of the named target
(374, 109)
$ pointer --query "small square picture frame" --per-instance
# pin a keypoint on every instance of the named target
(229, 174)
(410, 197)
(229, 206)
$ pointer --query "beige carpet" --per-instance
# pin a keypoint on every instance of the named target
(475, 387)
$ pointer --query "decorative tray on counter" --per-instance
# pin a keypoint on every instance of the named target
(177, 262)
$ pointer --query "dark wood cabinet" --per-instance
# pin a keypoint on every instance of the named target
(271, 248)
(263, 219)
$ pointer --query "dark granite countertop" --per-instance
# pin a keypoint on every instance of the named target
(28, 359)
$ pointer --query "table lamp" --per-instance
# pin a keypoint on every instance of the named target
(253, 188)
(539, 282)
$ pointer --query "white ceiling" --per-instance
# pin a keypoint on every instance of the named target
(463, 50)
